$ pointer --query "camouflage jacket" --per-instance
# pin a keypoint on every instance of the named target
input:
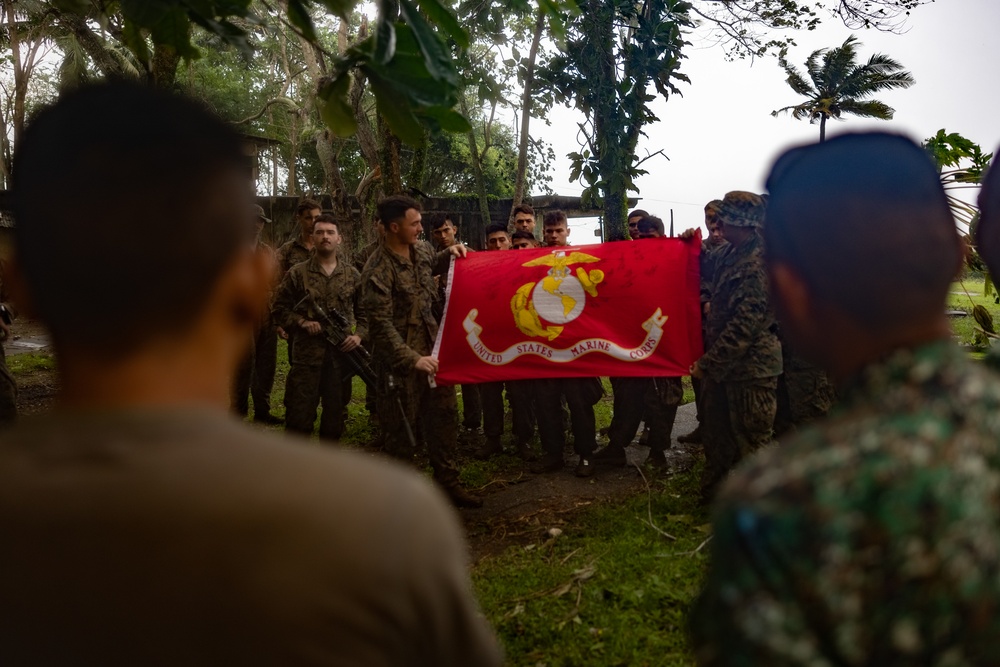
(399, 297)
(871, 538)
(292, 253)
(741, 341)
(365, 254)
(709, 265)
(338, 291)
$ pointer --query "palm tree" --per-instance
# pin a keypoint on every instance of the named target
(838, 85)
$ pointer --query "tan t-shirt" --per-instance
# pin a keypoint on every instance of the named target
(180, 537)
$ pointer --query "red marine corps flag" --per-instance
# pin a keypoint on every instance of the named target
(619, 309)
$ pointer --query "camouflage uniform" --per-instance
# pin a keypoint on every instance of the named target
(398, 297)
(661, 409)
(708, 262)
(255, 376)
(318, 369)
(870, 538)
(360, 259)
(629, 396)
(742, 361)
(581, 395)
(291, 253)
(8, 388)
(804, 392)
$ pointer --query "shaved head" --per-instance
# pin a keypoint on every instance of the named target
(864, 221)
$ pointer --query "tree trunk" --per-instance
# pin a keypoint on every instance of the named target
(415, 178)
(389, 144)
(477, 170)
(20, 75)
(163, 67)
(822, 127)
(526, 100)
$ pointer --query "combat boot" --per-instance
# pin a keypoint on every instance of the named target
(657, 460)
(612, 455)
(692, 438)
(524, 450)
(490, 448)
(549, 463)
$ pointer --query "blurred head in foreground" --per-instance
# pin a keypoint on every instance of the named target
(988, 228)
(152, 258)
(861, 249)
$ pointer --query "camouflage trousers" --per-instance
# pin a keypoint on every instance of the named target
(804, 395)
(472, 406)
(491, 399)
(739, 420)
(437, 411)
(521, 395)
(255, 376)
(308, 385)
(581, 394)
(629, 405)
(8, 392)
(661, 402)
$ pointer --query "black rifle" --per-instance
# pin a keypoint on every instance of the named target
(336, 328)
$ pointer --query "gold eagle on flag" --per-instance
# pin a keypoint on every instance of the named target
(558, 298)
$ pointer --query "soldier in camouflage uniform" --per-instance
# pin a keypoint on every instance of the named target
(298, 249)
(805, 393)
(628, 393)
(8, 388)
(255, 376)
(319, 367)
(872, 537)
(740, 368)
(711, 249)
(580, 394)
(398, 296)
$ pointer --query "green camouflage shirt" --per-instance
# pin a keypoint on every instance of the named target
(872, 538)
(399, 297)
(741, 341)
(338, 291)
(709, 266)
(292, 253)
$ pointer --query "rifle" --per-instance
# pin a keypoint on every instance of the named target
(336, 328)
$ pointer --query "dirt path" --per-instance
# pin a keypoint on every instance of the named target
(526, 505)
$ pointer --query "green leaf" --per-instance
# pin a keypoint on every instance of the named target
(436, 57)
(341, 8)
(443, 17)
(333, 107)
(174, 30)
(132, 35)
(385, 42)
(298, 16)
(407, 73)
(396, 112)
(145, 13)
(449, 119)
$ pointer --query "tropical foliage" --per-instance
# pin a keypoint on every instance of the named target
(835, 85)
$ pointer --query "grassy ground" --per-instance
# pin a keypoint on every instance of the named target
(604, 588)
(964, 296)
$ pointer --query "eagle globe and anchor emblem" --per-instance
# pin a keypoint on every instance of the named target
(542, 309)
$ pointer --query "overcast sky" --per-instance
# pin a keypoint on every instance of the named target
(720, 135)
